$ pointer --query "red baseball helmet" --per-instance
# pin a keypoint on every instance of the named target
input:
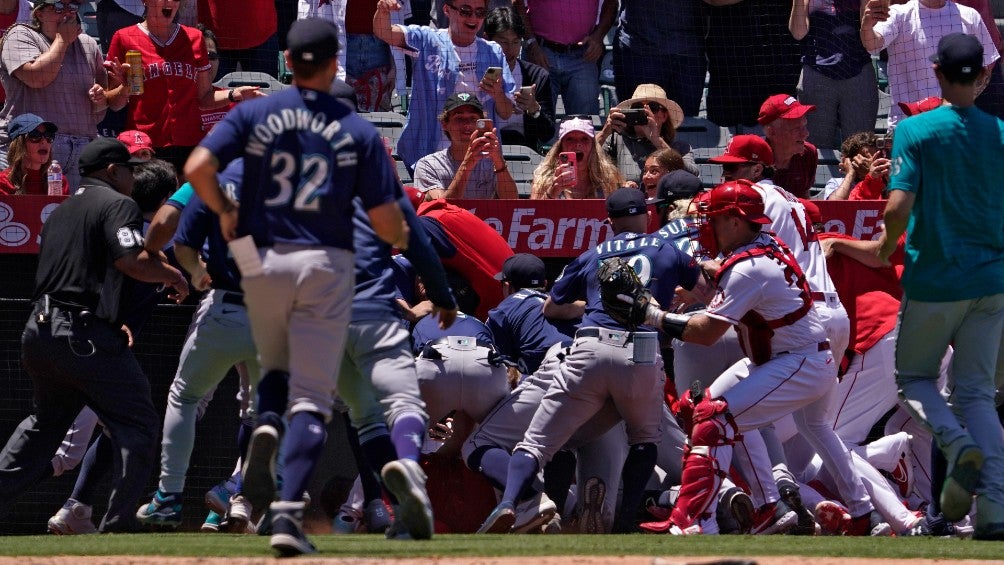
(738, 198)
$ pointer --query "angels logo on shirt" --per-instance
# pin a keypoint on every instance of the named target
(717, 299)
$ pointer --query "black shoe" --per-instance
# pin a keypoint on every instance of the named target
(789, 494)
(287, 530)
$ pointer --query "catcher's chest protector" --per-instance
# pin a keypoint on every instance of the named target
(754, 330)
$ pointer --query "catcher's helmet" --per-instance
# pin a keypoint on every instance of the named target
(737, 198)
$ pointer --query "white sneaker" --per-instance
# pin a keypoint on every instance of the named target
(240, 513)
(406, 479)
(74, 518)
(533, 513)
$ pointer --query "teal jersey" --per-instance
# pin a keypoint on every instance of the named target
(952, 160)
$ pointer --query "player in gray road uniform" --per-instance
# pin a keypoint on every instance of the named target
(296, 255)
(607, 361)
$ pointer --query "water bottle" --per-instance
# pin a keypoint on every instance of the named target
(55, 179)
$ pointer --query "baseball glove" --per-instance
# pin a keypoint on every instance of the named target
(624, 296)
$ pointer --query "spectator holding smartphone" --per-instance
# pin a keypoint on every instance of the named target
(590, 175)
(447, 62)
(473, 165)
(532, 124)
(642, 124)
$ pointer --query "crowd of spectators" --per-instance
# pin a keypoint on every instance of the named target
(805, 74)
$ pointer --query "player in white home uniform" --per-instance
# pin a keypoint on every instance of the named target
(790, 369)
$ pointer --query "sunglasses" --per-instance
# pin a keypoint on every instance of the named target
(36, 136)
(467, 11)
(729, 167)
(654, 107)
(61, 7)
(213, 56)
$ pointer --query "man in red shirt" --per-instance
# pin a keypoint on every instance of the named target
(782, 117)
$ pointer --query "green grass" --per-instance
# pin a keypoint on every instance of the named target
(223, 545)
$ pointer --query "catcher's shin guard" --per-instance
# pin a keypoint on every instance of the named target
(706, 462)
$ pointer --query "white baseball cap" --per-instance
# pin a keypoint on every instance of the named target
(576, 124)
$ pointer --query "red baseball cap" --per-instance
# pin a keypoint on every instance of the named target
(782, 106)
(136, 140)
(920, 106)
(746, 149)
(415, 195)
(811, 210)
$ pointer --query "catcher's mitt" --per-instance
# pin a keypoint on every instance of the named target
(624, 296)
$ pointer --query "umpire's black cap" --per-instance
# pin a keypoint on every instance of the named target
(523, 270)
(312, 40)
(675, 185)
(105, 151)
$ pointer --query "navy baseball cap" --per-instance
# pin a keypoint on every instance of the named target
(312, 40)
(675, 185)
(524, 271)
(105, 151)
(460, 99)
(959, 56)
(626, 202)
(25, 123)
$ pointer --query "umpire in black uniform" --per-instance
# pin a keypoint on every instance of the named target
(73, 346)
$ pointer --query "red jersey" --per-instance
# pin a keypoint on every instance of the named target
(801, 172)
(240, 25)
(871, 296)
(480, 250)
(168, 110)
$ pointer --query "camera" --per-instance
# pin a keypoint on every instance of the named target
(635, 116)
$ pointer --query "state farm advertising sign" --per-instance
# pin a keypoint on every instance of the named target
(546, 228)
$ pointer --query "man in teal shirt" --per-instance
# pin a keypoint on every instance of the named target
(946, 193)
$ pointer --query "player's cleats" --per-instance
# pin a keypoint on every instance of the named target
(989, 519)
(287, 529)
(533, 513)
(376, 517)
(240, 513)
(806, 525)
(406, 480)
(163, 510)
(212, 524)
(740, 509)
(834, 519)
(773, 518)
(500, 521)
(960, 485)
(259, 468)
(74, 518)
(691, 530)
(594, 492)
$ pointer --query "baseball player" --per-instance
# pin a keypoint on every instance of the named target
(762, 291)
(306, 156)
(218, 338)
(607, 360)
(750, 158)
(378, 378)
(73, 345)
(953, 280)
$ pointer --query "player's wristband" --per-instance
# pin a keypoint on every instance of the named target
(672, 324)
(230, 96)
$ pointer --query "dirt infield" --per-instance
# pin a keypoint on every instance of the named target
(573, 560)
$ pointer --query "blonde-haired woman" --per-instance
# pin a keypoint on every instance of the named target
(592, 176)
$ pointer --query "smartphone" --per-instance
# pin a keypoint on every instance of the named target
(493, 73)
(569, 158)
(484, 125)
(526, 90)
(635, 116)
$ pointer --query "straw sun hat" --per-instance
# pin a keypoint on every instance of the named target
(655, 93)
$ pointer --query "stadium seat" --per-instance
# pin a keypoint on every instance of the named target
(389, 124)
(700, 132)
(265, 81)
(522, 162)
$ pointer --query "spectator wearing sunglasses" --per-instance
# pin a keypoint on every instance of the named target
(625, 143)
(29, 156)
(49, 67)
(447, 61)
